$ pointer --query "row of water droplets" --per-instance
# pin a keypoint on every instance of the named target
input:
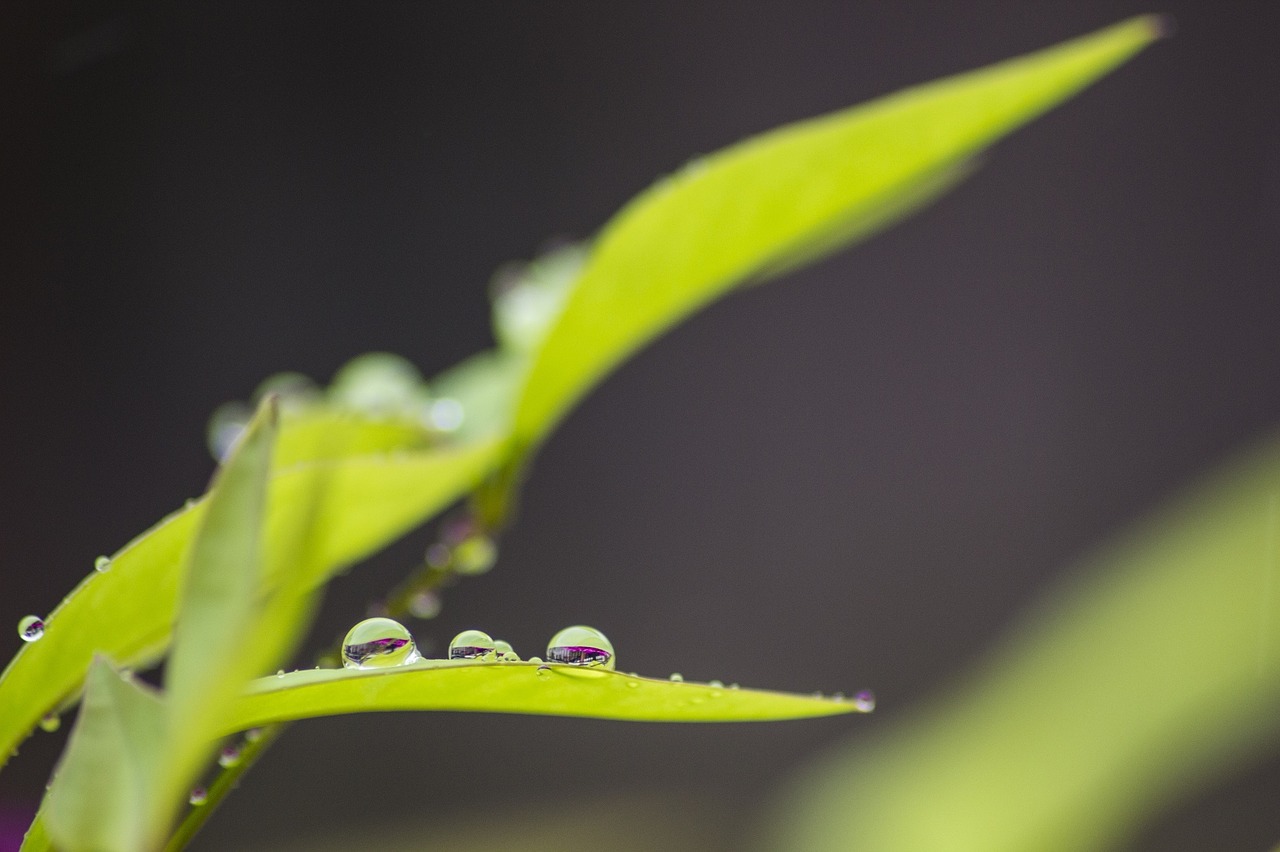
(379, 643)
(376, 384)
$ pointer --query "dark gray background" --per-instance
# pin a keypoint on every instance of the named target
(855, 476)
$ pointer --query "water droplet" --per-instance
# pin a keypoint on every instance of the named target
(50, 722)
(438, 555)
(475, 554)
(733, 686)
(676, 677)
(378, 643)
(716, 683)
(472, 645)
(425, 605)
(535, 659)
(253, 735)
(229, 756)
(445, 415)
(294, 390)
(31, 628)
(865, 700)
(505, 652)
(543, 671)
(102, 563)
(377, 383)
(226, 425)
(198, 797)
(279, 672)
(581, 646)
(632, 684)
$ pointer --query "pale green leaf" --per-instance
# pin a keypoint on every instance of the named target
(102, 795)
(556, 690)
(1152, 672)
(128, 611)
(785, 196)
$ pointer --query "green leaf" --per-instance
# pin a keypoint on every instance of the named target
(556, 690)
(787, 196)
(128, 611)
(101, 798)
(1151, 673)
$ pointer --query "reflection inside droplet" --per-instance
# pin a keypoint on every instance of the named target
(31, 628)
(472, 645)
(581, 646)
(378, 643)
(865, 700)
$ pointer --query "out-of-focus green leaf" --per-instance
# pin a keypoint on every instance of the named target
(102, 795)
(326, 433)
(127, 612)
(786, 196)
(533, 688)
(1149, 674)
(486, 385)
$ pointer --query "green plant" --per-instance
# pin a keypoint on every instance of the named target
(225, 586)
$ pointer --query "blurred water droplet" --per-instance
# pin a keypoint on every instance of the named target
(733, 686)
(425, 605)
(475, 554)
(457, 527)
(472, 645)
(505, 652)
(198, 797)
(716, 683)
(534, 660)
(31, 628)
(865, 700)
(676, 677)
(102, 563)
(229, 756)
(253, 735)
(377, 383)
(445, 415)
(378, 643)
(581, 646)
(226, 425)
(50, 722)
(294, 390)
(632, 684)
(279, 672)
(438, 555)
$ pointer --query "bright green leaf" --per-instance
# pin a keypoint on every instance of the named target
(785, 196)
(1152, 672)
(101, 798)
(128, 611)
(556, 690)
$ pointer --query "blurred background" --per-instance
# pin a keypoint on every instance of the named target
(854, 477)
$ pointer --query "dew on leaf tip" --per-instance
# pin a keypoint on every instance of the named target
(378, 643)
(865, 700)
(31, 628)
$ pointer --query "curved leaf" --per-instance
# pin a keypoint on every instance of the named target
(784, 197)
(1147, 676)
(127, 612)
(532, 688)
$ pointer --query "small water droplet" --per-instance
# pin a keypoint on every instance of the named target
(716, 683)
(198, 797)
(505, 652)
(279, 672)
(253, 735)
(226, 425)
(377, 383)
(50, 722)
(31, 628)
(676, 677)
(101, 564)
(425, 605)
(472, 645)
(633, 684)
(535, 659)
(733, 686)
(445, 415)
(581, 646)
(542, 671)
(229, 756)
(294, 390)
(475, 554)
(378, 643)
(837, 696)
(865, 700)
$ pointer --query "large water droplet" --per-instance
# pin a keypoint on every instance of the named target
(472, 645)
(865, 700)
(581, 646)
(31, 628)
(505, 652)
(50, 722)
(226, 425)
(198, 797)
(378, 643)
(102, 563)
(229, 756)
(475, 554)
(425, 605)
(377, 383)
